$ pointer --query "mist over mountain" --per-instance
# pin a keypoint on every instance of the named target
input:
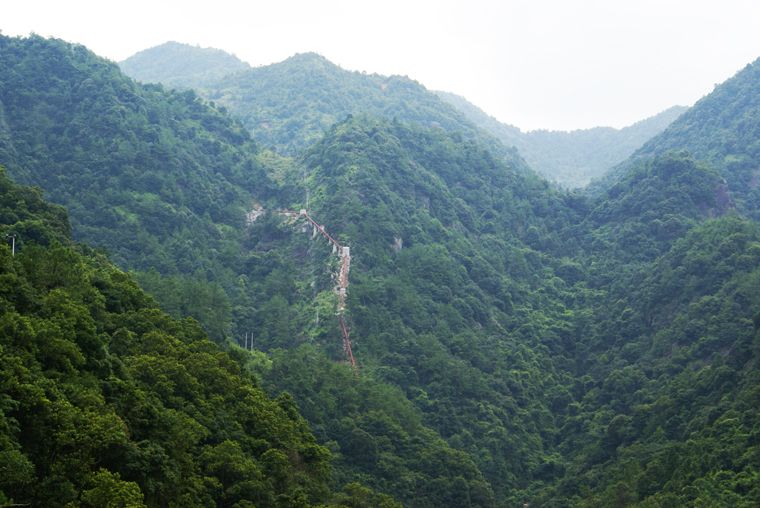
(181, 66)
(572, 158)
(517, 343)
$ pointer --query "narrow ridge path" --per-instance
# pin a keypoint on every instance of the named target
(344, 254)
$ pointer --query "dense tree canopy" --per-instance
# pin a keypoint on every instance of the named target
(107, 401)
(517, 344)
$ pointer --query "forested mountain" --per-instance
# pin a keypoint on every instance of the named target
(159, 179)
(289, 105)
(517, 344)
(723, 128)
(572, 158)
(259, 265)
(665, 412)
(107, 401)
(179, 65)
(442, 289)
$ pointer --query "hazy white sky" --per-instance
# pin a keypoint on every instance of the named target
(532, 63)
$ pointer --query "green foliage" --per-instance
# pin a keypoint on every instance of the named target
(375, 434)
(160, 180)
(107, 401)
(109, 491)
(517, 344)
(27, 216)
(440, 318)
(723, 128)
(180, 295)
(672, 380)
(656, 202)
(289, 105)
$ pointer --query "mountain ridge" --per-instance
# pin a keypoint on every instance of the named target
(194, 65)
(290, 104)
(258, 97)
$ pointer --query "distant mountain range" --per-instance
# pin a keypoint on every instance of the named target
(181, 65)
(288, 105)
(570, 158)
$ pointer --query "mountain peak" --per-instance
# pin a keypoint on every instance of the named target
(181, 65)
(308, 56)
(309, 60)
(722, 128)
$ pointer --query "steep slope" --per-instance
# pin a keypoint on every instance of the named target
(106, 401)
(667, 372)
(130, 162)
(572, 158)
(444, 306)
(289, 105)
(159, 179)
(666, 414)
(179, 65)
(654, 204)
(723, 128)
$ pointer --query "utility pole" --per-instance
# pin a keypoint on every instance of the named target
(13, 244)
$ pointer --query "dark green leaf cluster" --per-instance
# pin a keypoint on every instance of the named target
(106, 401)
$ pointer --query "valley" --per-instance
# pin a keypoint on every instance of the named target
(504, 341)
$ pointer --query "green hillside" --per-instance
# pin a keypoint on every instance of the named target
(143, 171)
(516, 343)
(160, 180)
(107, 401)
(724, 129)
(289, 105)
(442, 317)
